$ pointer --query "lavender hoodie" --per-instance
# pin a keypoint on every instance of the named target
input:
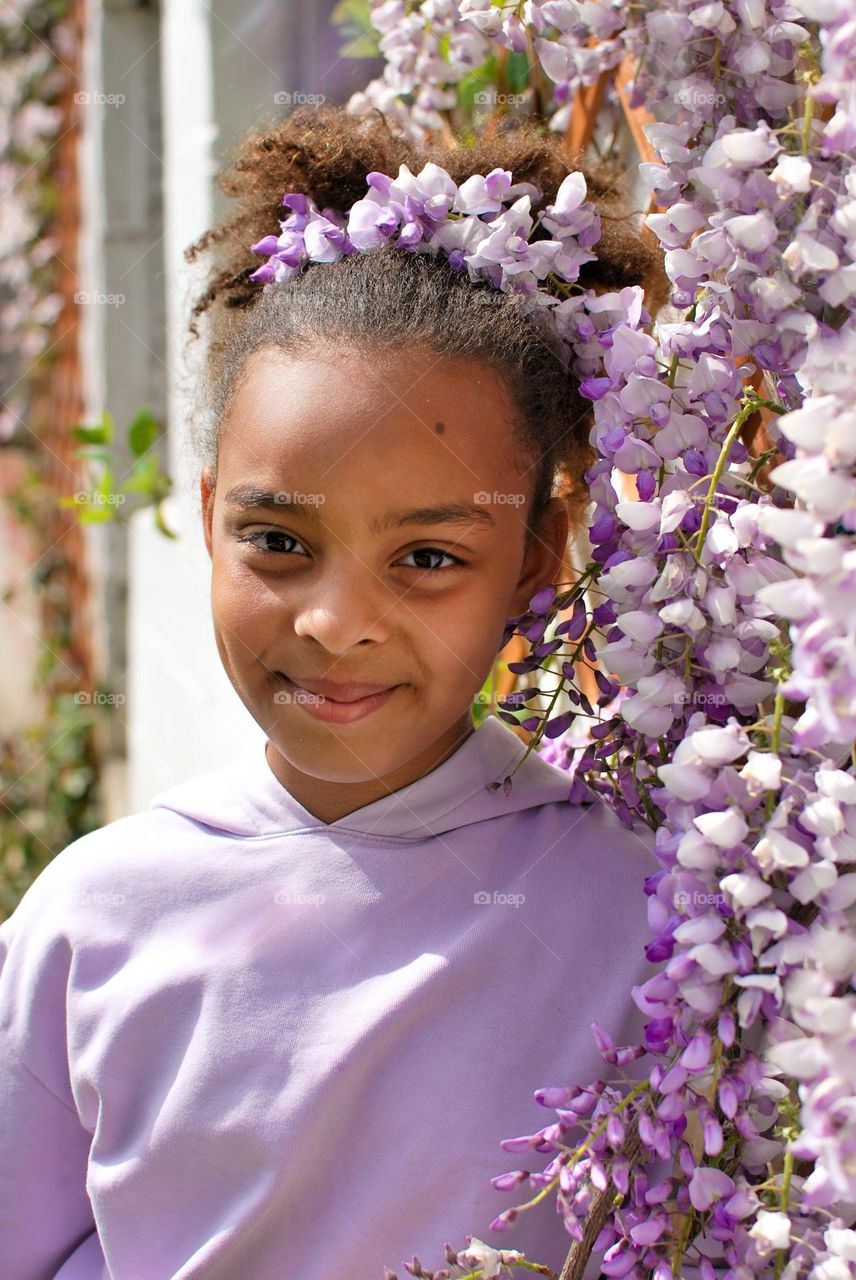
(241, 1043)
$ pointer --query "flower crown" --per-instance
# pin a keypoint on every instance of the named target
(485, 226)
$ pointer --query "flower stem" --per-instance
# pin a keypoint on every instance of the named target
(742, 418)
(778, 712)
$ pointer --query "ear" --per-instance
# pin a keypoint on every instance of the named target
(544, 555)
(206, 489)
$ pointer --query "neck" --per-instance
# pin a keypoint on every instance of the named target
(329, 800)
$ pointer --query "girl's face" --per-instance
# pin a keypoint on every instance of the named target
(367, 527)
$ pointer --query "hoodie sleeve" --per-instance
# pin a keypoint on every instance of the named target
(45, 1211)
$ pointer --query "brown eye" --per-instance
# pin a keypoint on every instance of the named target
(430, 552)
(277, 534)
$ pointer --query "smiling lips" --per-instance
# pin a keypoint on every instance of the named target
(346, 692)
(339, 703)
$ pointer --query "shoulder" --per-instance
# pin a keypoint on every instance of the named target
(592, 835)
(91, 873)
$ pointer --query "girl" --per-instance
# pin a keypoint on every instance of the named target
(278, 1024)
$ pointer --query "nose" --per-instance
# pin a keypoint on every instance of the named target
(344, 606)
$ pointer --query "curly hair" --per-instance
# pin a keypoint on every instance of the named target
(392, 300)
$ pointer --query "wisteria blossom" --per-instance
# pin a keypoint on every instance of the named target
(470, 225)
(718, 612)
(30, 40)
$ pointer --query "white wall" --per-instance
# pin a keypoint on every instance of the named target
(183, 715)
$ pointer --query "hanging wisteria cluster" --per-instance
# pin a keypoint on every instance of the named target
(725, 614)
(33, 43)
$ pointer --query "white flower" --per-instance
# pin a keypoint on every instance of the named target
(684, 614)
(745, 889)
(762, 771)
(724, 829)
(640, 516)
(482, 1255)
(640, 626)
(831, 1269)
(776, 850)
(686, 782)
(792, 174)
(842, 1241)
(753, 231)
(771, 1231)
(804, 253)
(838, 784)
(803, 1057)
(813, 482)
(813, 880)
(747, 148)
(713, 746)
(648, 719)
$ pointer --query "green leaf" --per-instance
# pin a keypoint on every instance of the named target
(143, 477)
(93, 455)
(356, 11)
(474, 82)
(517, 72)
(161, 524)
(96, 515)
(90, 434)
(362, 46)
(353, 18)
(143, 432)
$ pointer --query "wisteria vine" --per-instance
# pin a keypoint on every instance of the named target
(723, 609)
(35, 38)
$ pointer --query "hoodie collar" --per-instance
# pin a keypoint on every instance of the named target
(246, 798)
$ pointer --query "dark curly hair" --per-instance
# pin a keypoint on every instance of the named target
(392, 299)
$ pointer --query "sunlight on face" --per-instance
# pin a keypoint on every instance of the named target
(367, 526)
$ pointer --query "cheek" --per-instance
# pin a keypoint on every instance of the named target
(465, 637)
(242, 606)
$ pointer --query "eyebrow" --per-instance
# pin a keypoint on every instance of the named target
(248, 498)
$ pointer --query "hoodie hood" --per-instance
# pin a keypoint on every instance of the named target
(245, 798)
